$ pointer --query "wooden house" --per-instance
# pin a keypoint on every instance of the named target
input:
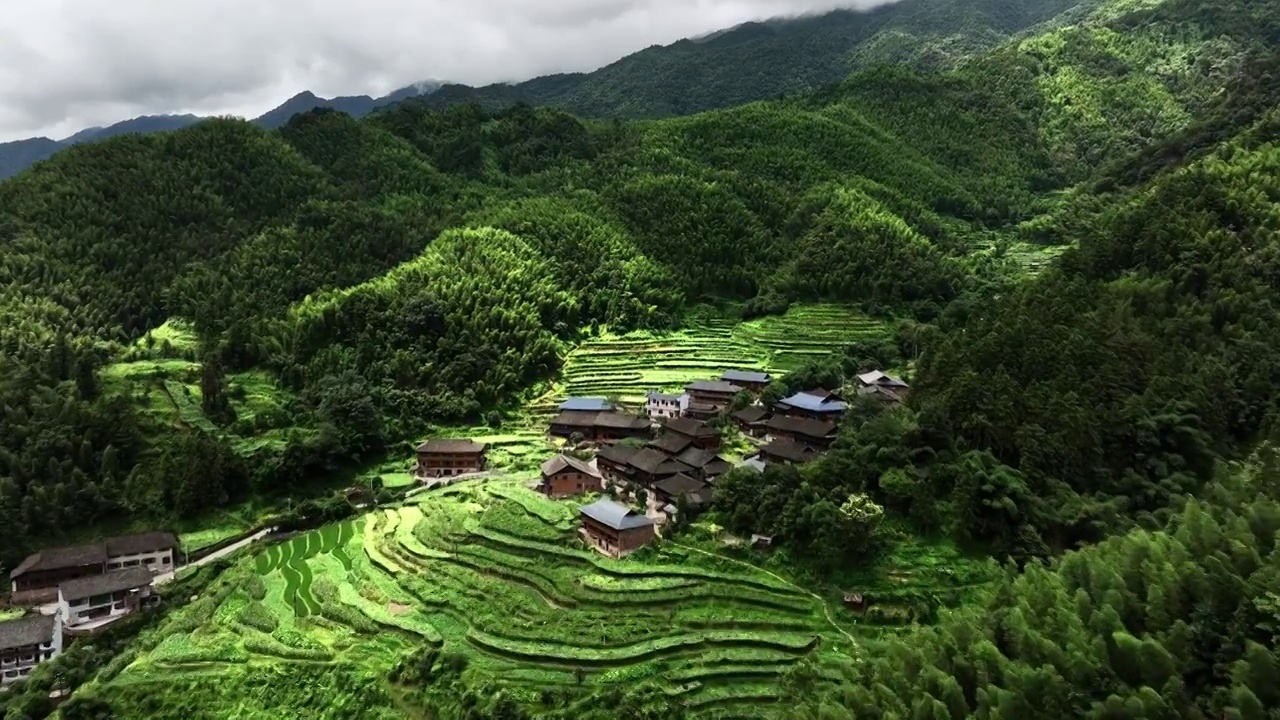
(612, 462)
(814, 433)
(614, 529)
(701, 434)
(816, 404)
(787, 452)
(696, 493)
(101, 599)
(747, 379)
(705, 463)
(712, 392)
(598, 426)
(751, 420)
(671, 443)
(885, 388)
(650, 465)
(36, 578)
(446, 457)
(564, 475)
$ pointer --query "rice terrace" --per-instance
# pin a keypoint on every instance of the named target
(492, 571)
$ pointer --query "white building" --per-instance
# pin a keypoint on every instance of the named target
(153, 550)
(91, 602)
(27, 642)
(662, 406)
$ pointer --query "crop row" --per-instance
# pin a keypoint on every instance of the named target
(546, 653)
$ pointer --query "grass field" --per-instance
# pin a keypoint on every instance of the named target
(493, 571)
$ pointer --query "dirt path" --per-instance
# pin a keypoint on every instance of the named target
(826, 610)
(163, 578)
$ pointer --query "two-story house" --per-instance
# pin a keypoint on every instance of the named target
(25, 643)
(91, 602)
(661, 406)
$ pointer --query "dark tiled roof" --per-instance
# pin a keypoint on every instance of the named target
(451, 445)
(611, 514)
(696, 457)
(579, 419)
(30, 630)
(817, 429)
(61, 558)
(590, 404)
(141, 543)
(620, 454)
(882, 392)
(655, 395)
(671, 443)
(671, 467)
(691, 428)
(751, 414)
(648, 460)
(747, 376)
(624, 422)
(716, 467)
(678, 484)
(113, 581)
(789, 450)
(713, 386)
(561, 462)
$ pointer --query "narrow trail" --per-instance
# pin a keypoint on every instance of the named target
(826, 610)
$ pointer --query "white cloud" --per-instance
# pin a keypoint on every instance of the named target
(70, 64)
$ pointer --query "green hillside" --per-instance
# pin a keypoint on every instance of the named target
(1065, 241)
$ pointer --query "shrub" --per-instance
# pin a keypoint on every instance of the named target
(256, 615)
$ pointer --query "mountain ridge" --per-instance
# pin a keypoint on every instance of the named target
(689, 75)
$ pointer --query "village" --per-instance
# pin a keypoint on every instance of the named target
(654, 464)
(651, 466)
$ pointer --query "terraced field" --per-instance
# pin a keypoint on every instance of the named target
(628, 366)
(494, 571)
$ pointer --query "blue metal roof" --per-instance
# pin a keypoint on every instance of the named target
(611, 514)
(812, 403)
(589, 404)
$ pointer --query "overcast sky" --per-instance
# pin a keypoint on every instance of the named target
(70, 64)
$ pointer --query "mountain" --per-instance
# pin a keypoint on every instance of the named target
(18, 155)
(1066, 242)
(749, 62)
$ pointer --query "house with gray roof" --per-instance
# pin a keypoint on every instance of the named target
(565, 475)
(752, 380)
(91, 602)
(26, 642)
(38, 576)
(614, 529)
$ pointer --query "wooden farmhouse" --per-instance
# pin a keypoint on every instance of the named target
(705, 463)
(708, 397)
(699, 433)
(818, 434)
(696, 493)
(816, 404)
(747, 379)
(598, 426)
(648, 466)
(885, 388)
(787, 452)
(671, 443)
(563, 476)
(25, 643)
(751, 420)
(447, 457)
(36, 578)
(613, 462)
(613, 529)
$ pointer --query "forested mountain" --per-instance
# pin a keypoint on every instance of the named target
(18, 155)
(425, 266)
(753, 61)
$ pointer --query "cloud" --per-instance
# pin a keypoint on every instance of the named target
(70, 64)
